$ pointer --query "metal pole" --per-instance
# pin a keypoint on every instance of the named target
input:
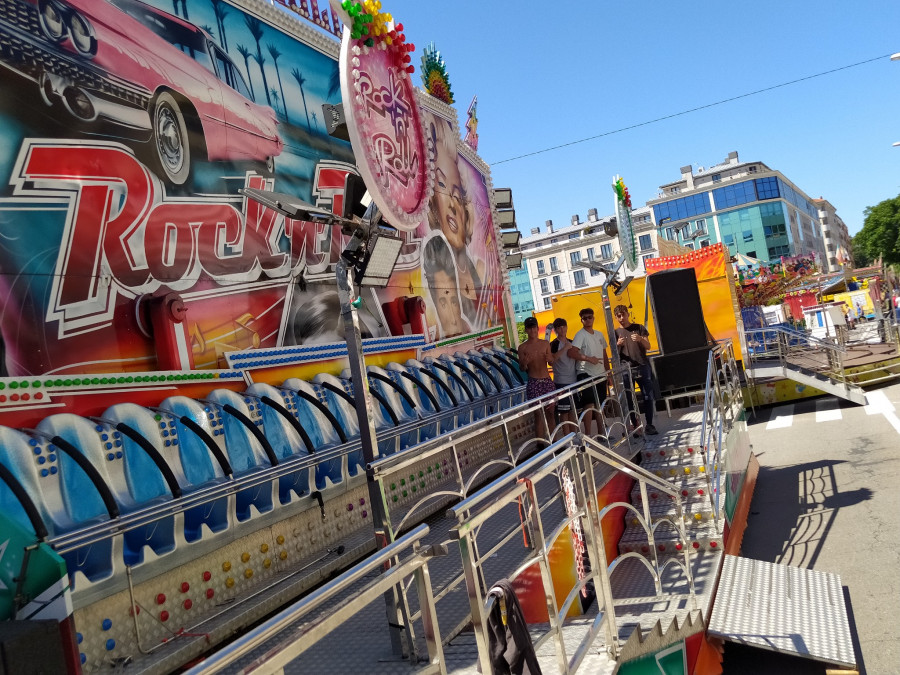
(362, 401)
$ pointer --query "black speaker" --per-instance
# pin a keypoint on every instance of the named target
(675, 299)
(681, 371)
(31, 648)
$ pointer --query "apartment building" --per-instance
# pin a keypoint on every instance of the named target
(549, 256)
(838, 243)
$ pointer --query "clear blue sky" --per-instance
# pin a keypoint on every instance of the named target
(553, 72)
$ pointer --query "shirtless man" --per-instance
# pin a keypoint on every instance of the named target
(534, 356)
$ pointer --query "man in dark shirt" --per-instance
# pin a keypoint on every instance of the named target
(633, 343)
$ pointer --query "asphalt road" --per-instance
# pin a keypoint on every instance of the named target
(828, 498)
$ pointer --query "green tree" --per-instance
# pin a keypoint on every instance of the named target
(520, 329)
(860, 257)
(880, 235)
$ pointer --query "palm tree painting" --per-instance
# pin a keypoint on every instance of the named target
(300, 82)
(209, 29)
(334, 82)
(273, 51)
(221, 11)
(275, 97)
(255, 27)
(315, 120)
(246, 54)
(183, 3)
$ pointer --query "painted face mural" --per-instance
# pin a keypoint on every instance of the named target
(117, 197)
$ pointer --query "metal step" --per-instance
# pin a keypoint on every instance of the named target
(704, 536)
(783, 609)
(811, 378)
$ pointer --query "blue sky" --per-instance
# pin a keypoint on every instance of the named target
(553, 72)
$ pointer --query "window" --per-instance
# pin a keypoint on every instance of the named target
(690, 245)
(670, 233)
(701, 225)
(594, 272)
(590, 253)
(751, 254)
(553, 266)
(704, 243)
(735, 195)
(555, 240)
(546, 303)
(728, 239)
(545, 288)
(752, 169)
(540, 267)
(557, 283)
(717, 178)
(579, 278)
(645, 242)
(606, 251)
(767, 188)
(574, 235)
(686, 207)
(748, 236)
(229, 74)
(645, 258)
(575, 256)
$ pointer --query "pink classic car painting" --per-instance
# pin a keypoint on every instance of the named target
(123, 67)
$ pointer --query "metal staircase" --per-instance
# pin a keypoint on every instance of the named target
(791, 354)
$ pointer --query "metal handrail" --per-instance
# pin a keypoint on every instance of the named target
(723, 394)
(581, 452)
(274, 661)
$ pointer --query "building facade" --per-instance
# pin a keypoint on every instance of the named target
(751, 208)
(549, 257)
(838, 243)
(520, 288)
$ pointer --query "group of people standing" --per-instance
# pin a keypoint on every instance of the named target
(585, 356)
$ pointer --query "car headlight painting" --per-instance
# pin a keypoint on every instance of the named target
(82, 35)
(52, 22)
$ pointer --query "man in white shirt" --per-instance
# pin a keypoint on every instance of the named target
(589, 348)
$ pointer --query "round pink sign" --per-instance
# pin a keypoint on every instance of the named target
(386, 132)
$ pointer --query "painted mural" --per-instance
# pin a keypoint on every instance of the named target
(128, 128)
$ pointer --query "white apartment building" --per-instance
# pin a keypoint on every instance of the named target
(838, 243)
(549, 256)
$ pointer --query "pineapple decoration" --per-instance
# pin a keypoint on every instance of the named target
(434, 75)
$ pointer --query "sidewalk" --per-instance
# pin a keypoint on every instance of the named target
(827, 499)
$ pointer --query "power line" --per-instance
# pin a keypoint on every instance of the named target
(690, 110)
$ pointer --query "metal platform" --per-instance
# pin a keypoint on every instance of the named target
(783, 609)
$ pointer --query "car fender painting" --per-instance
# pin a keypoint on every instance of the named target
(128, 128)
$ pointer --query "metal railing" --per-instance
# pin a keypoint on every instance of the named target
(722, 403)
(395, 571)
(782, 347)
(612, 412)
(571, 462)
